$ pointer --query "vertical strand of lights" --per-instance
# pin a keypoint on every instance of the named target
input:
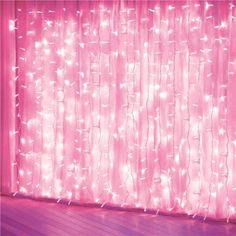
(149, 140)
(173, 158)
(188, 118)
(157, 177)
(9, 99)
(17, 103)
(123, 103)
(231, 208)
(126, 107)
(100, 13)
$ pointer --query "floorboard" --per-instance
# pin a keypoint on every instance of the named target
(20, 216)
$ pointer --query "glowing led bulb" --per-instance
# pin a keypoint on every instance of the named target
(171, 7)
(223, 24)
(207, 98)
(61, 52)
(205, 38)
(47, 51)
(69, 62)
(81, 45)
(68, 41)
(45, 42)
(23, 141)
(145, 44)
(157, 86)
(60, 72)
(221, 131)
(49, 23)
(207, 5)
(177, 158)
(104, 24)
(67, 82)
(163, 95)
(11, 25)
(37, 45)
(215, 110)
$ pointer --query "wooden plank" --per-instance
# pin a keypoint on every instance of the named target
(31, 217)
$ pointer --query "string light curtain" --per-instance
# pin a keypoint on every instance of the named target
(125, 103)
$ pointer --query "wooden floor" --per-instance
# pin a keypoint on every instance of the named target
(31, 217)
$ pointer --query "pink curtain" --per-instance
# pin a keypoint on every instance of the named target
(126, 103)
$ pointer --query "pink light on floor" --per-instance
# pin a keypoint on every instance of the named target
(123, 103)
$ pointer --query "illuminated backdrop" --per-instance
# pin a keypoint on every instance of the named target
(129, 104)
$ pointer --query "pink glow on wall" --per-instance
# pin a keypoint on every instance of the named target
(121, 103)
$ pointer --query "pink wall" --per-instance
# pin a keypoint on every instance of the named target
(129, 104)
